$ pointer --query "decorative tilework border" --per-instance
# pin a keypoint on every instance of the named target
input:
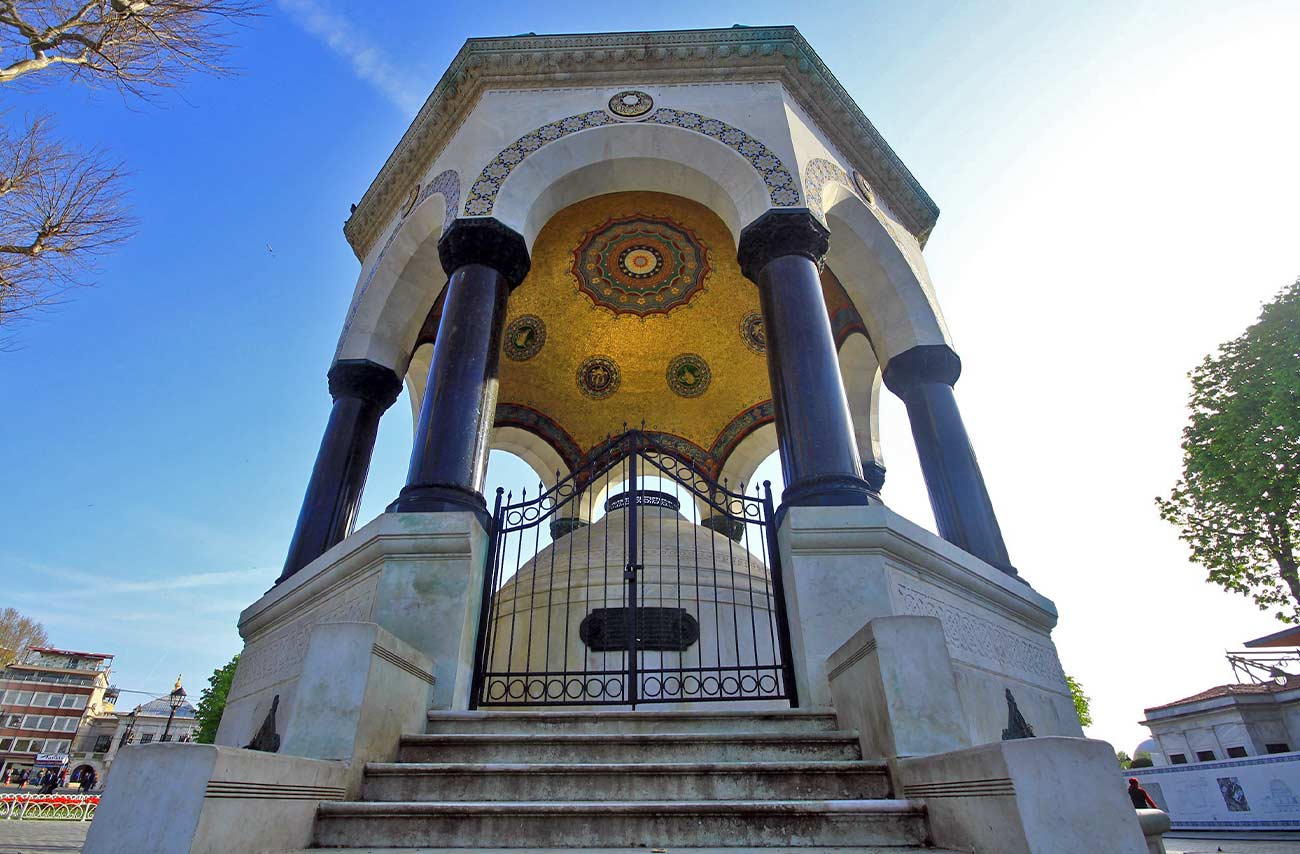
(780, 183)
(1293, 756)
(527, 418)
(448, 184)
(816, 175)
(740, 427)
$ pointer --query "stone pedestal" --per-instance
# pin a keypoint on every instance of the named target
(418, 576)
(893, 682)
(846, 566)
(1029, 796)
(202, 799)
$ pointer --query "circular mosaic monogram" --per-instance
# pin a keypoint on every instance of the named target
(631, 104)
(524, 337)
(598, 377)
(688, 375)
(751, 332)
(640, 265)
(864, 188)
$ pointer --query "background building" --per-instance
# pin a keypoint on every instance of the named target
(1226, 756)
(44, 697)
(166, 718)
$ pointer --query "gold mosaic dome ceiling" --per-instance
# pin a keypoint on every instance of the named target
(635, 310)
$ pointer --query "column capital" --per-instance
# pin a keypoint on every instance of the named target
(781, 231)
(924, 363)
(366, 380)
(486, 241)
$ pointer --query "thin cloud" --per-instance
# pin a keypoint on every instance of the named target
(368, 61)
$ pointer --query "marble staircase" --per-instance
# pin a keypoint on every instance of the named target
(626, 780)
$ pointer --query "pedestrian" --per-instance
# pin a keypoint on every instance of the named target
(1138, 795)
(8, 773)
(22, 778)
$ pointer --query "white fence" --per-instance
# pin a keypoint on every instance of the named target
(18, 807)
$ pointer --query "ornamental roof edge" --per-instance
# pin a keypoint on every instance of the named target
(778, 54)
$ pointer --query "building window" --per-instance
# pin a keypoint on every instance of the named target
(1236, 752)
(1278, 747)
(103, 743)
(6, 744)
(1177, 759)
(146, 738)
(1205, 756)
(70, 701)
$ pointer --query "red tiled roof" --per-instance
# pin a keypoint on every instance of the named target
(1231, 691)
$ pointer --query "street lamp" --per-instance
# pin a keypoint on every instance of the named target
(130, 727)
(174, 699)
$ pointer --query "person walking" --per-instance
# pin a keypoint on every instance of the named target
(22, 778)
(1138, 795)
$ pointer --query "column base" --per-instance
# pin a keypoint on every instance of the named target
(829, 491)
(441, 498)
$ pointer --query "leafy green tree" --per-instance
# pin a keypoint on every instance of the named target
(1238, 502)
(1141, 760)
(1124, 760)
(212, 702)
(1082, 704)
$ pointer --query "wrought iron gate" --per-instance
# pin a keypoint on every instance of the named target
(641, 605)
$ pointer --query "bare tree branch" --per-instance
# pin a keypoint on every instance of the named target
(61, 209)
(136, 46)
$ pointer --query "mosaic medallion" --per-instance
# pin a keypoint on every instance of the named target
(598, 377)
(630, 104)
(688, 375)
(868, 195)
(751, 332)
(524, 337)
(640, 265)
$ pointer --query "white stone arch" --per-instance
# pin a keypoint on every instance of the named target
(882, 271)
(544, 460)
(862, 383)
(630, 156)
(403, 283)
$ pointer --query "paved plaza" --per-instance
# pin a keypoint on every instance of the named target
(40, 837)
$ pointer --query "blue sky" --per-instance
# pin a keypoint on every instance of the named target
(1117, 184)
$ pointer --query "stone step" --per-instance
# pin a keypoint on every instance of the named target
(780, 720)
(630, 747)
(643, 781)
(642, 824)
(783, 849)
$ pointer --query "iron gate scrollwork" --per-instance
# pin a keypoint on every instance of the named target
(641, 605)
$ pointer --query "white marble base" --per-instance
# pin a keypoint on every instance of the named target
(202, 799)
(418, 576)
(845, 566)
(1029, 796)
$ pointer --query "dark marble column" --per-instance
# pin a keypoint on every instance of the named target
(362, 391)
(484, 260)
(923, 377)
(781, 252)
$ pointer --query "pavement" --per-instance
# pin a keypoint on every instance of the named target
(42, 837)
(1233, 843)
(67, 837)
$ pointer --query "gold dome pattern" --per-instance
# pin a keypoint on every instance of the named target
(540, 394)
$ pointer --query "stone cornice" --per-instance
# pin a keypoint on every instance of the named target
(739, 54)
